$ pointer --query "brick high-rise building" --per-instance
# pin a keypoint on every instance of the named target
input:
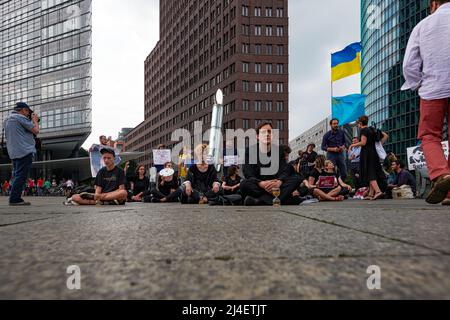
(239, 46)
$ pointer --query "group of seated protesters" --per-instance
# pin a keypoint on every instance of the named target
(203, 186)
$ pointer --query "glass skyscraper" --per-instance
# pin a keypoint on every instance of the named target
(386, 27)
(45, 60)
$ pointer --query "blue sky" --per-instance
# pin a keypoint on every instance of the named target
(124, 33)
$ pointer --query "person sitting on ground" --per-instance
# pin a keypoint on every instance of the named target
(139, 185)
(232, 183)
(202, 184)
(329, 185)
(109, 185)
(168, 189)
(319, 167)
(258, 185)
(304, 189)
(403, 178)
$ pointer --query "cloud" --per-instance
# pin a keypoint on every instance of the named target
(125, 32)
(316, 30)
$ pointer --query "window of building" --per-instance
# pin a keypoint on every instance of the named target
(280, 31)
(245, 11)
(280, 12)
(280, 68)
(245, 67)
(258, 106)
(258, 68)
(258, 30)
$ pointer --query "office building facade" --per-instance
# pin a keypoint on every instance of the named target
(239, 46)
(386, 27)
(312, 135)
(45, 60)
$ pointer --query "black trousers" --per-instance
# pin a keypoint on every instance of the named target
(197, 195)
(355, 169)
(172, 197)
(251, 188)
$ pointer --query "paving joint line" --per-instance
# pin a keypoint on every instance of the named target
(411, 243)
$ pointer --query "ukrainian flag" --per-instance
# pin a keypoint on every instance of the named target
(346, 62)
(349, 108)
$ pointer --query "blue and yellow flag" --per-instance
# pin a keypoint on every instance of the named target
(346, 62)
(349, 108)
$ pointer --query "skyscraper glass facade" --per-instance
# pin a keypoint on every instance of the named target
(45, 60)
(386, 27)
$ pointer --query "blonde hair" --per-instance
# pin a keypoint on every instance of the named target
(199, 153)
(320, 162)
(328, 162)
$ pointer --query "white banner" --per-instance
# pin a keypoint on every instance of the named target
(97, 161)
(161, 157)
(229, 161)
(416, 158)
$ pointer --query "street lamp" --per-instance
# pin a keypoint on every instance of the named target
(215, 137)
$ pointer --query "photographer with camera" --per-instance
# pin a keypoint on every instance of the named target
(21, 127)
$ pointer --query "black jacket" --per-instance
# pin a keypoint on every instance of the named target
(194, 177)
(253, 171)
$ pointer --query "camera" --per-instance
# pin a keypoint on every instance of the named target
(31, 117)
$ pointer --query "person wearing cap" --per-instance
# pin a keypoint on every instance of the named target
(20, 128)
(109, 185)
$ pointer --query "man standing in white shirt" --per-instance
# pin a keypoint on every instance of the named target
(427, 68)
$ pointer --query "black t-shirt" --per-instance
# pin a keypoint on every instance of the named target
(140, 185)
(110, 181)
(167, 188)
(315, 174)
(231, 183)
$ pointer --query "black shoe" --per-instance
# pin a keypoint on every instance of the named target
(250, 201)
(20, 204)
(87, 196)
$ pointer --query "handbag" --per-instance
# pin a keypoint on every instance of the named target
(380, 150)
(378, 145)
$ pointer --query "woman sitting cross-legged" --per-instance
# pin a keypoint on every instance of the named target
(329, 185)
(168, 189)
(202, 184)
(139, 185)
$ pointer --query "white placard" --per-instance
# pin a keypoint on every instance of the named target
(161, 157)
(416, 158)
(229, 161)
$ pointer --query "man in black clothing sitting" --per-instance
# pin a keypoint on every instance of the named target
(257, 187)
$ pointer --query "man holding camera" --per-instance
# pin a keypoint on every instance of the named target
(20, 129)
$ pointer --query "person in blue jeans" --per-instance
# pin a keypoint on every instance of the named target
(20, 129)
(334, 145)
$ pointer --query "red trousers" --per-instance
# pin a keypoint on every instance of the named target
(431, 127)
